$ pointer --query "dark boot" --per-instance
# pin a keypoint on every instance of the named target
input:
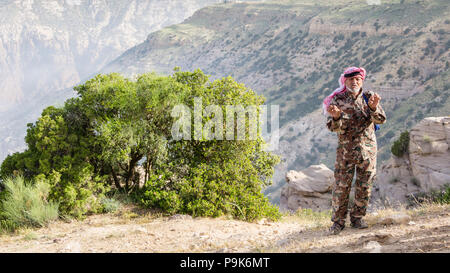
(336, 228)
(358, 223)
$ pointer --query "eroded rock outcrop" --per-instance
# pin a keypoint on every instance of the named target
(309, 188)
(426, 166)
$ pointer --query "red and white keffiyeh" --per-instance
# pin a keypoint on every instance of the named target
(342, 88)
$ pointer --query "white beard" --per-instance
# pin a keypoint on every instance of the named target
(353, 90)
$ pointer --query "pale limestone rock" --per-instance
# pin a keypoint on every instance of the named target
(401, 218)
(424, 168)
(315, 179)
(373, 247)
(398, 219)
(72, 247)
(141, 230)
(310, 188)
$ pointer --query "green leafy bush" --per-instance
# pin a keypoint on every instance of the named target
(211, 190)
(96, 140)
(61, 153)
(214, 177)
(443, 196)
(26, 204)
(118, 132)
(401, 145)
(158, 193)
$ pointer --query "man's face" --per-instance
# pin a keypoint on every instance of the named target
(354, 83)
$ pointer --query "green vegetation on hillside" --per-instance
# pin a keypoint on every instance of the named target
(302, 64)
(400, 146)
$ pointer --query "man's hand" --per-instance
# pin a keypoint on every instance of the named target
(334, 111)
(373, 101)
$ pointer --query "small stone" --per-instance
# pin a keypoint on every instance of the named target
(223, 250)
(373, 247)
(385, 238)
(262, 221)
(411, 223)
(73, 247)
(141, 230)
(193, 247)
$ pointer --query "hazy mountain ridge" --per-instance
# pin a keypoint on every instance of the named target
(51, 45)
(46, 47)
(293, 53)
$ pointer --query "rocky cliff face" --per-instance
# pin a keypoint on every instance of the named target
(424, 168)
(51, 45)
(46, 47)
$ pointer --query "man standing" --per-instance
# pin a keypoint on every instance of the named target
(353, 114)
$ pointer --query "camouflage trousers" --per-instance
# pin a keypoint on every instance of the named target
(364, 163)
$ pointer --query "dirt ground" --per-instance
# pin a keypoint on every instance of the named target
(130, 230)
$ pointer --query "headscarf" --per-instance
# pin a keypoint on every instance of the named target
(342, 88)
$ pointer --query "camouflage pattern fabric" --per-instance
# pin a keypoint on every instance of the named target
(357, 150)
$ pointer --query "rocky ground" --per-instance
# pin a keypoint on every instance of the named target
(425, 229)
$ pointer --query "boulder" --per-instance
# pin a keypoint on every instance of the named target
(394, 182)
(309, 188)
(429, 152)
(426, 166)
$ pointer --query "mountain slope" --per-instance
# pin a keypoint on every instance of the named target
(46, 47)
(293, 52)
(51, 45)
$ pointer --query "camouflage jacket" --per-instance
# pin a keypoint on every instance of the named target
(355, 127)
